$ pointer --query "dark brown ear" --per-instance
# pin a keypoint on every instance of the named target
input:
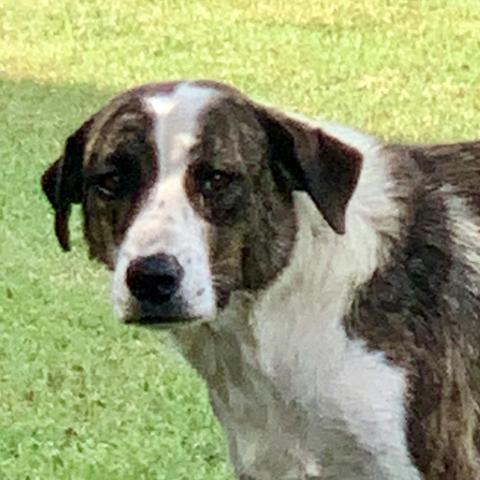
(304, 157)
(62, 182)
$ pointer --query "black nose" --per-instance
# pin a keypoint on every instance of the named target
(154, 279)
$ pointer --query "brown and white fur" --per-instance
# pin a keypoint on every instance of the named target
(324, 285)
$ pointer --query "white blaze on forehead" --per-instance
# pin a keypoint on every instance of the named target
(176, 123)
(166, 222)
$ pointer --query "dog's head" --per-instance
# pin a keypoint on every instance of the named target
(186, 191)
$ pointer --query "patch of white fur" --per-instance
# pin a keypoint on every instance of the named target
(464, 226)
(166, 222)
(302, 349)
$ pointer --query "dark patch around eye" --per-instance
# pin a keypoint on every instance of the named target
(116, 179)
(218, 196)
(129, 172)
(212, 182)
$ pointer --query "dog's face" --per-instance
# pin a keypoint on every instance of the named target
(187, 189)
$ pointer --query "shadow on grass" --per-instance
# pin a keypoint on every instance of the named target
(36, 121)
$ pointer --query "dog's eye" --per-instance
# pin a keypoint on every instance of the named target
(215, 181)
(107, 185)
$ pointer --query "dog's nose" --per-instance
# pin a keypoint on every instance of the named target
(154, 279)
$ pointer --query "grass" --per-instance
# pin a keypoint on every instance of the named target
(82, 397)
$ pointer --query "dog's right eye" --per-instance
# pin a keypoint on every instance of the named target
(107, 185)
(114, 181)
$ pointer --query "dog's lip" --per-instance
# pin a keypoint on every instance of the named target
(158, 321)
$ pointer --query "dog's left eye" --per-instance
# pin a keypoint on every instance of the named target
(215, 181)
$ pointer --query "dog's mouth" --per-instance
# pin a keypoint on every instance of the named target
(155, 321)
(168, 314)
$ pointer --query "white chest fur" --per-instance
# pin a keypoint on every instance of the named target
(298, 399)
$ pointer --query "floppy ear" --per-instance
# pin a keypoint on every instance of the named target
(304, 157)
(62, 182)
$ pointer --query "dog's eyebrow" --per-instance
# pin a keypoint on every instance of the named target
(91, 171)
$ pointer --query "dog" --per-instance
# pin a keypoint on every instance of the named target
(325, 285)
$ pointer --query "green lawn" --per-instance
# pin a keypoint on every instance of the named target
(82, 397)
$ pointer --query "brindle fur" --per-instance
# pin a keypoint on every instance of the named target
(255, 221)
(423, 311)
